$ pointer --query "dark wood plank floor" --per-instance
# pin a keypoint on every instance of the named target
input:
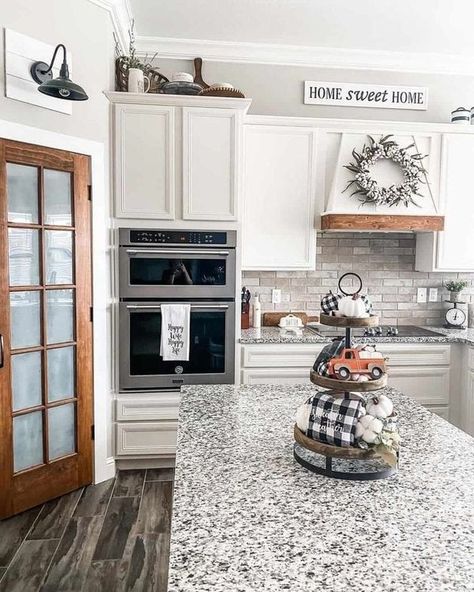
(108, 537)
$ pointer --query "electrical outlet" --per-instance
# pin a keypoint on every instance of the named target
(421, 294)
(433, 295)
(276, 296)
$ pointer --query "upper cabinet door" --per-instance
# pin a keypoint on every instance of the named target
(278, 225)
(452, 249)
(455, 250)
(211, 162)
(144, 162)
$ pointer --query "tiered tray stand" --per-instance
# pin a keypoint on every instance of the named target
(335, 461)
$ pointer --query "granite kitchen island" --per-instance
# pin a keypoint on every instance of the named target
(248, 518)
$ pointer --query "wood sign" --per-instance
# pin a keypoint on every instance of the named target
(348, 94)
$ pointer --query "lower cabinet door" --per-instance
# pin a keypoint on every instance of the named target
(146, 438)
(275, 376)
(429, 385)
(468, 425)
(441, 411)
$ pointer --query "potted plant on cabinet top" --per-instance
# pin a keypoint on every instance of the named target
(455, 288)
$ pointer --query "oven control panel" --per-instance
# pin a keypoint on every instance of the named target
(178, 237)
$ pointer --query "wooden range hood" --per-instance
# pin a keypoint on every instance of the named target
(381, 222)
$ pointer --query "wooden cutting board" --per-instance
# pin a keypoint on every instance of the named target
(271, 319)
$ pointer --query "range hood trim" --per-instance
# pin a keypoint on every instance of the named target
(381, 222)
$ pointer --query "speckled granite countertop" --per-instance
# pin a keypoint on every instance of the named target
(276, 335)
(248, 518)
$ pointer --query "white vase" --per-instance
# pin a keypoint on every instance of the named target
(137, 81)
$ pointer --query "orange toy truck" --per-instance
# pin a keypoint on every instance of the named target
(354, 361)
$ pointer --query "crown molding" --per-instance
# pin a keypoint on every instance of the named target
(296, 55)
(120, 14)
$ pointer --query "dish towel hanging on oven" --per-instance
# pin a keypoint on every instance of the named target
(175, 321)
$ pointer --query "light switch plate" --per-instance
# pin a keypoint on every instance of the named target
(276, 296)
(421, 294)
(433, 295)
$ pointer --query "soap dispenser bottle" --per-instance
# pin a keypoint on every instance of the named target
(257, 312)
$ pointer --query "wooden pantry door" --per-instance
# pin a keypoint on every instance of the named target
(45, 325)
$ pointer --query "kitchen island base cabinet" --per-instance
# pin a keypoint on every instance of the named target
(146, 425)
(422, 370)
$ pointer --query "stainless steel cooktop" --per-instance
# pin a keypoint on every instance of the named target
(374, 332)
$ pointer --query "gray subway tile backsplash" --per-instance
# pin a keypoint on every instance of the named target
(386, 263)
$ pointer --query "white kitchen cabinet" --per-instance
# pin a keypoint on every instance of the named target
(146, 424)
(176, 157)
(453, 248)
(278, 224)
(429, 385)
(211, 163)
(146, 438)
(440, 411)
(144, 162)
(468, 398)
(420, 370)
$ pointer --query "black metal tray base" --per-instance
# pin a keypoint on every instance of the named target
(343, 468)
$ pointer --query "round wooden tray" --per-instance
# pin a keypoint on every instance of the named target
(354, 322)
(328, 449)
(347, 385)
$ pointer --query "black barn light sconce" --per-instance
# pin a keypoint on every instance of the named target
(61, 87)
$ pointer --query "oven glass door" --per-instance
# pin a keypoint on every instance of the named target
(187, 273)
(211, 351)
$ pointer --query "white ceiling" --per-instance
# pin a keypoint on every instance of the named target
(420, 26)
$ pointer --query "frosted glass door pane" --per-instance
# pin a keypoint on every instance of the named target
(22, 192)
(61, 373)
(60, 313)
(25, 319)
(26, 380)
(62, 432)
(23, 258)
(57, 198)
(59, 261)
(27, 441)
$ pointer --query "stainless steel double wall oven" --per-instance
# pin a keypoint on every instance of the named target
(169, 266)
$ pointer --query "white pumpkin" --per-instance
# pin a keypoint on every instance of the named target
(352, 306)
(368, 428)
(380, 406)
(302, 416)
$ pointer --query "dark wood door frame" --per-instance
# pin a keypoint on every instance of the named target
(53, 478)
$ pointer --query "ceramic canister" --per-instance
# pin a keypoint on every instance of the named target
(460, 115)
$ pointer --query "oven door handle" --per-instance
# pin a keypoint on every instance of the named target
(177, 252)
(158, 306)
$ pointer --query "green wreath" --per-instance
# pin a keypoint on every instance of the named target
(368, 189)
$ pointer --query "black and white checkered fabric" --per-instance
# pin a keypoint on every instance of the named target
(323, 369)
(333, 421)
(329, 303)
(368, 304)
(329, 351)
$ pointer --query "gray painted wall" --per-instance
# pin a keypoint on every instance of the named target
(86, 30)
(278, 90)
